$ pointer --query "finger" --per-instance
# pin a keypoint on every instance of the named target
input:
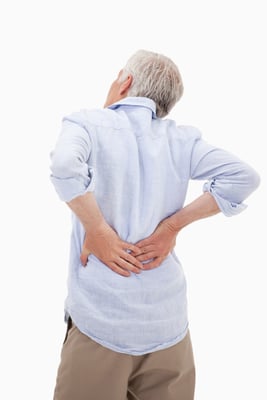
(115, 268)
(135, 253)
(148, 248)
(128, 266)
(153, 264)
(84, 257)
(147, 256)
(128, 246)
(132, 260)
(144, 242)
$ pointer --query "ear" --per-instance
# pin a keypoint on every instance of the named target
(125, 85)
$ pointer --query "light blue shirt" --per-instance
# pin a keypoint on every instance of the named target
(138, 167)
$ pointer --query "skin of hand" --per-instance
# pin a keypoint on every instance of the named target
(158, 245)
(162, 241)
(106, 245)
(101, 240)
(123, 257)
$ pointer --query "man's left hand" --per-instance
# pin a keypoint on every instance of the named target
(157, 246)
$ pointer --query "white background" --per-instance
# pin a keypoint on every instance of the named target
(60, 56)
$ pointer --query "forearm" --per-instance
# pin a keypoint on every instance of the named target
(86, 209)
(202, 207)
(157, 246)
(101, 240)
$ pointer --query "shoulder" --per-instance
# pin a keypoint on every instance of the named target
(182, 133)
(87, 118)
(188, 132)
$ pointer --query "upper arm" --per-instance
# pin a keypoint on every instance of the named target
(72, 150)
(229, 179)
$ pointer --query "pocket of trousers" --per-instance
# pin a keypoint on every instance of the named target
(69, 325)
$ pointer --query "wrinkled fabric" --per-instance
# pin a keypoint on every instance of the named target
(139, 167)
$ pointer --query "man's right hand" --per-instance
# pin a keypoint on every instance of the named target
(106, 245)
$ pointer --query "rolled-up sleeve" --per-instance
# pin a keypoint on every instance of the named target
(229, 180)
(71, 173)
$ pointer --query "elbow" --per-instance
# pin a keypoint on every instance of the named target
(257, 180)
(61, 167)
(253, 179)
(247, 185)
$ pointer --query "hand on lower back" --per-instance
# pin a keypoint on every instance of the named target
(106, 245)
(157, 246)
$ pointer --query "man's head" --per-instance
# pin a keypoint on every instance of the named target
(152, 75)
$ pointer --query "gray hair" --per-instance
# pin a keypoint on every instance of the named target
(154, 76)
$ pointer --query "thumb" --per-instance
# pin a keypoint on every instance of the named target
(84, 256)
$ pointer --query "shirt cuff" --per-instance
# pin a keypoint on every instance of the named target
(69, 188)
(228, 208)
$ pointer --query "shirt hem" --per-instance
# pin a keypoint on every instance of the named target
(118, 349)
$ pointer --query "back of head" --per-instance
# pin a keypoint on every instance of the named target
(154, 76)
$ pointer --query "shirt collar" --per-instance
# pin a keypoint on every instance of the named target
(136, 101)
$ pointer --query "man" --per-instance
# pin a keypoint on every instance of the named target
(124, 171)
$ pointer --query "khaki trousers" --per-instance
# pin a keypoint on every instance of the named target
(89, 371)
